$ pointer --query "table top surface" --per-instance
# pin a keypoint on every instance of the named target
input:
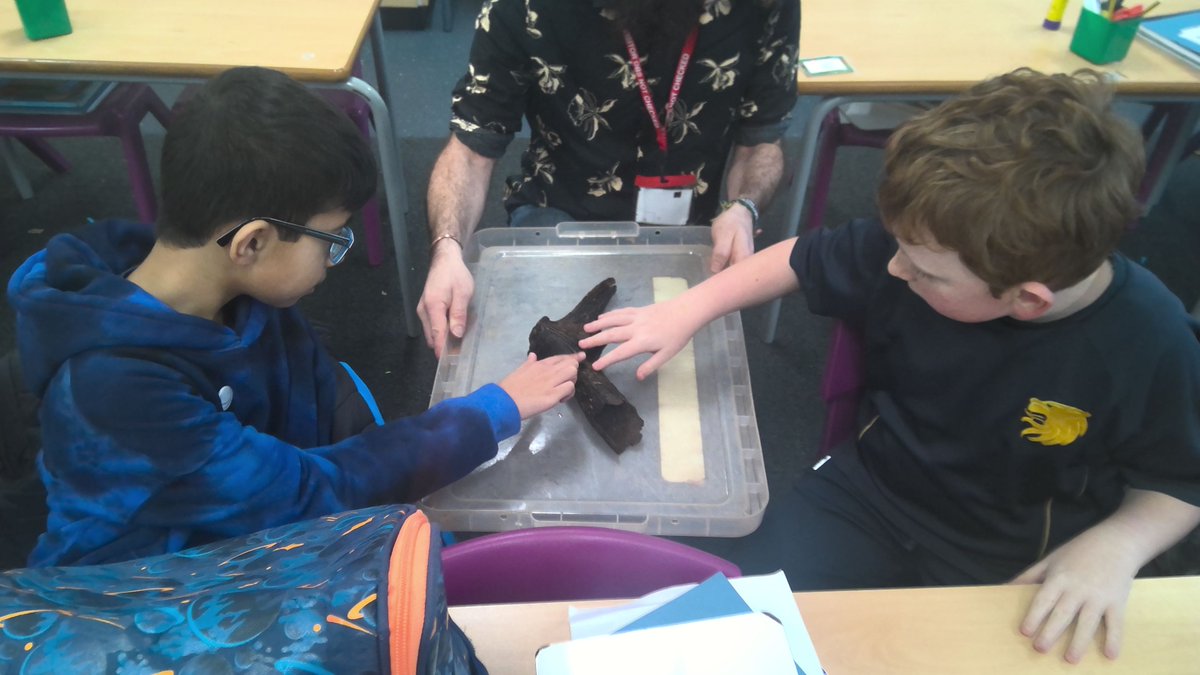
(940, 46)
(311, 40)
(922, 630)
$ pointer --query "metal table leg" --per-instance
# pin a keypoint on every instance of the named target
(19, 179)
(804, 167)
(395, 191)
(395, 187)
(1178, 126)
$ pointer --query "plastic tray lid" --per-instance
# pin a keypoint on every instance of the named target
(557, 470)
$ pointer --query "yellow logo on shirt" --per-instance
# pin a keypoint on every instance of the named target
(1053, 423)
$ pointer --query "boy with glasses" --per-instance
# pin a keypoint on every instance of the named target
(184, 398)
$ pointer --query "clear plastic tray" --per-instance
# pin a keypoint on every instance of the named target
(558, 471)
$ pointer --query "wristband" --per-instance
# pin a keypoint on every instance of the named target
(746, 202)
(440, 237)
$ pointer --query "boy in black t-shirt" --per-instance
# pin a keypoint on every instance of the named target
(1031, 396)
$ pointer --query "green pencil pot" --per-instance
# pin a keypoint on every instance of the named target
(1102, 41)
(44, 18)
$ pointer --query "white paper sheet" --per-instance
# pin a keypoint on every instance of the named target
(743, 643)
(767, 593)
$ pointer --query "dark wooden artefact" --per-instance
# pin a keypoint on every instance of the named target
(613, 417)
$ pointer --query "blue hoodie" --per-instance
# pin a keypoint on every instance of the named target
(163, 430)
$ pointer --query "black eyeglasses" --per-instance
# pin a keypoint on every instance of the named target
(339, 243)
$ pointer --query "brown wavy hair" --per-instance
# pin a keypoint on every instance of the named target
(1028, 177)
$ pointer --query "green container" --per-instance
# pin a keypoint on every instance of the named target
(44, 18)
(1102, 41)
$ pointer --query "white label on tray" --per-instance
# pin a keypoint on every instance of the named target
(681, 445)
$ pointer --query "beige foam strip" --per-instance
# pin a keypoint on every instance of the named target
(680, 443)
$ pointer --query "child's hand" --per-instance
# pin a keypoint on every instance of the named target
(537, 386)
(1084, 581)
(660, 330)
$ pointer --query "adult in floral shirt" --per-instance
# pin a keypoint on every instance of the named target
(564, 66)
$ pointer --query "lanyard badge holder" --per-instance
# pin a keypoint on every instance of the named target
(662, 200)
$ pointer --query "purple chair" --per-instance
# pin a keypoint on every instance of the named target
(841, 383)
(836, 133)
(360, 113)
(570, 563)
(120, 114)
(841, 386)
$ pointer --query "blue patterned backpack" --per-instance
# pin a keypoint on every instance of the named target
(357, 592)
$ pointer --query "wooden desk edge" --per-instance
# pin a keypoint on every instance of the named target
(1161, 620)
(817, 86)
(164, 71)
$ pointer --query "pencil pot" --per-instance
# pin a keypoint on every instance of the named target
(1102, 41)
(44, 18)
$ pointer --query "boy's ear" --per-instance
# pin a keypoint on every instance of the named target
(1031, 300)
(248, 242)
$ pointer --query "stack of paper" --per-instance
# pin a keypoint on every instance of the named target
(747, 625)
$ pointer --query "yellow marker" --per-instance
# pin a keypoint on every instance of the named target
(1054, 15)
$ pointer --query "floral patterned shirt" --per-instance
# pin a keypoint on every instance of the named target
(565, 67)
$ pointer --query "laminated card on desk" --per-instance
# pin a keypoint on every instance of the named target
(1177, 34)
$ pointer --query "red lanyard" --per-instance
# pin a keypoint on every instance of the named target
(689, 45)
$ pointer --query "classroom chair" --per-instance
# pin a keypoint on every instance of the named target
(836, 131)
(40, 149)
(841, 383)
(570, 563)
(359, 112)
(1169, 118)
(119, 114)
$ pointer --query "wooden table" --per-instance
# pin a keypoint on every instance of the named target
(921, 631)
(926, 51)
(314, 41)
(939, 46)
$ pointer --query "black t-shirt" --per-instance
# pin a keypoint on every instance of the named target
(993, 436)
(565, 67)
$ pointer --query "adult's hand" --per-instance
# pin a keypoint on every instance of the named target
(457, 188)
(732, 237)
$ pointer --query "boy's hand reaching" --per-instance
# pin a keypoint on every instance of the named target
(537, 386)
(660, 330)
(1085, 581)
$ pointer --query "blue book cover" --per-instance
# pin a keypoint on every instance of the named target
(713, 598)
(1178, 34)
